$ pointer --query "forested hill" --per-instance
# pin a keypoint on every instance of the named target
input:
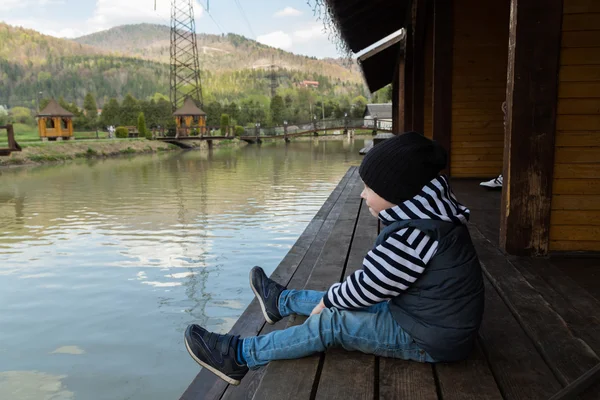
(109, 66)
(217, 52)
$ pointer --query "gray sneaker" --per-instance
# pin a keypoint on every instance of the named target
(267, 292)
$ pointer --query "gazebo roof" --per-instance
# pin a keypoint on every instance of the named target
(189, 108)
(53, 109)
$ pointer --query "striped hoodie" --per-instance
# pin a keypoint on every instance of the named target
(390, 268)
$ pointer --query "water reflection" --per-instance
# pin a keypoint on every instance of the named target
(113, 258)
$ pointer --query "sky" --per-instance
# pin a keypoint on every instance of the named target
(289, 24)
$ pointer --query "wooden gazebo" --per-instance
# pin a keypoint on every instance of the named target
(190, 119)
(54, 122)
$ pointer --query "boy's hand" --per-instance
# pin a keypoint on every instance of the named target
(318, 308)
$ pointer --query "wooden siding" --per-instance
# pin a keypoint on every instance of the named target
(428, 106)
(479, 87)
(575, 215)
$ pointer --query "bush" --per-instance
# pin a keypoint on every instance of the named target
(141, 126)
(224, 123)
(121, 132)
(239, 130)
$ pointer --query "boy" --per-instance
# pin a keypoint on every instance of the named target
(419, 295)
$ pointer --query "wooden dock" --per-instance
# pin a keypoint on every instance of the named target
(540, 333)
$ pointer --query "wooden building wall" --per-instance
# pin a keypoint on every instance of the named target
(479, 87)
(428, 106)
(575, 215)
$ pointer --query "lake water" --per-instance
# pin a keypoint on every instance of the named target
(104, 263)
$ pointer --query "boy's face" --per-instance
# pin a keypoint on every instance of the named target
(375, 202)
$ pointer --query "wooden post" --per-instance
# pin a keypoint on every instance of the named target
(12, 142)
(443, 42)
(531, 97)
(419, 25)
(406, 78)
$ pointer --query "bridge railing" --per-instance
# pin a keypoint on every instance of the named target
(333, 124)
(320, 125)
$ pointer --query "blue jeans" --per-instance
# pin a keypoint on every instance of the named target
(372, 331)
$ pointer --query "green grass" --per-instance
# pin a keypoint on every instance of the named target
(29, 133)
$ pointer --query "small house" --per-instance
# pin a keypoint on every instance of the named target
(54, 122)
(190, 119)
(381, 112)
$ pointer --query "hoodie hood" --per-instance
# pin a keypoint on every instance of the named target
(435, 201)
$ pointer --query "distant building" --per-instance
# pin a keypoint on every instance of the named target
(306, 84)
(383, 113)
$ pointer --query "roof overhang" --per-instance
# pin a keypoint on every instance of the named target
(362, 23)
(379, 64)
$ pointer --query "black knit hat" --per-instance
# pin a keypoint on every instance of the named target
(398, 168)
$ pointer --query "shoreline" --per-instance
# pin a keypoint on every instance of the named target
(37, 153)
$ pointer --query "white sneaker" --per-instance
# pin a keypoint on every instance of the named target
(493, 184)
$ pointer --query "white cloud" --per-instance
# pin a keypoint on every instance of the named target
(9, 5)
(47, 27)
(288, 12)
(110, 13)
(277, 39)
(313, 32)
(288, 41)
(107, 14)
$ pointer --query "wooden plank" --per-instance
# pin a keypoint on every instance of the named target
(531, 123)
(574, 217)
(206, 385)
(579, 56)
(486, 144)
(517, 366)
(443, 26)
(577, 155)
(483, 117)
(578, 138)
(576, 171)
(580, 39)
(468, 379)
(428, 98)
(396, 100)
(578, 106)
(345, 374)
(458, 163)
(581, 6)
(565, 353)
(477, 125)
(576, 186)
(478, 136)
(579, 73)
(479, 151)
(581, 22)
(578, 122)
(586, 385)
(470, 173)
(478, 157)
(419, 26)
(399, 379)
(556, 245)
(408, 64)
(293, 379)
(579, 90)
(575, 202)
(575, 232)
(577, 307)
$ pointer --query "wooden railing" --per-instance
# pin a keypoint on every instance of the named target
(12, 143)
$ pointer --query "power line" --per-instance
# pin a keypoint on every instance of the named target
(239, 6)
(211, 17)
